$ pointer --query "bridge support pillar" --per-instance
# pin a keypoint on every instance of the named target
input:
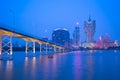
(63, 50)
(11, 49)
(46, 48)
(33, 47)
(6, 45)
(26, 48)
(29, 47)
(54, 49)
(59, 50)
(0, 46)
(40, 48)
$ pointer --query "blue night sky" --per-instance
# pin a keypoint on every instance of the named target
(41, 17)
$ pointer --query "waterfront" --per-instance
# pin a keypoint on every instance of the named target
(85, 65)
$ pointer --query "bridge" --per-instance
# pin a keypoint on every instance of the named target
(9, 34)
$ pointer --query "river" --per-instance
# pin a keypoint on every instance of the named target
(77, 65)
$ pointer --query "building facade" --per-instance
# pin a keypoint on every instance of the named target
(61, 36)
(76, 36)
(90, 28)
(105, 42)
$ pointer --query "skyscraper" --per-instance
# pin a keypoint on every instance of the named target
(76, 36)
(89, 28)
(61, 36)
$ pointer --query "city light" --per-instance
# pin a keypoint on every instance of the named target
(59, 40)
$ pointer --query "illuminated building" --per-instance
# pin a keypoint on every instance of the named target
(61, 36)
(89, 28)
(105, 42)
(88, 45)
(76, 36)
(100, 42)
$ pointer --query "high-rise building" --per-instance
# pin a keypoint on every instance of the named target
(89, 28)
(61, 36)
(76, 36)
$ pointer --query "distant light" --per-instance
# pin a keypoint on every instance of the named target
(100, 38)
(116, 42)
(61, 29)
(53, 34)
(44, 37)
(77, 23)
(46, 30)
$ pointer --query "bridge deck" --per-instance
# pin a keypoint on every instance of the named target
(9, 32)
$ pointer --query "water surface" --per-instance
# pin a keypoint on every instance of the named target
(79, 65)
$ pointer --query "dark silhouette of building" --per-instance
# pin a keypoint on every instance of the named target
(61, 36)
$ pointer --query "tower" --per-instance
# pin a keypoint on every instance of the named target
(76, 36)
(89, 28)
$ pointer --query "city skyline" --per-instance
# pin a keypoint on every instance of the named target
(71, 36)
(59, 40)
(42, 17)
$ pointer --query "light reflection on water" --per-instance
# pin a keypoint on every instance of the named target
(90, 67)
(77, 68)
(79, 65)
(9, 67)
